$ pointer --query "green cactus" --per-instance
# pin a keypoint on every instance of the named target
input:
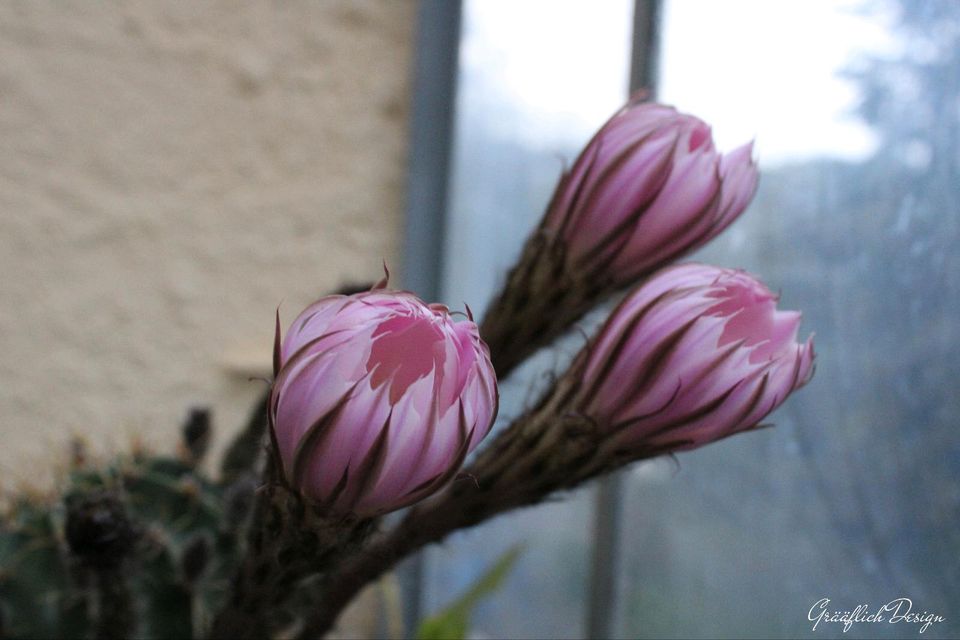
(144, 547)
(36, 594)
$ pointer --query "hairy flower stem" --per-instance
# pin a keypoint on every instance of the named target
(541, 299)
(289, 540)
(546, 450)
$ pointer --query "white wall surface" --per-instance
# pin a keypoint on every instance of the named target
(169, 173)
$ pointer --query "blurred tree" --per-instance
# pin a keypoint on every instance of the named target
(882, 236)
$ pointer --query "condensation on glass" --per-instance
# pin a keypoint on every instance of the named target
(536, 78)
(854, 496)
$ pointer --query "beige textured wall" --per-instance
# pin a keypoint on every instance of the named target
(170, 172)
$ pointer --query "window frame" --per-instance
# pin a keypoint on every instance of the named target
(436, 61)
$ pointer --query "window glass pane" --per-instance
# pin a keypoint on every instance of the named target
(853, 496)
(536, 78)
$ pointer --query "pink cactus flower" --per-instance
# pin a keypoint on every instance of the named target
(647, 189)
(378, 399)
(696, 354)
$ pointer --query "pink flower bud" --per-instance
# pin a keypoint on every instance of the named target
(647, 189)
(378, 399)
(696, 354)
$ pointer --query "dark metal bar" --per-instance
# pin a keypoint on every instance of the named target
(645, 52)
(431, 137)
(603, 610)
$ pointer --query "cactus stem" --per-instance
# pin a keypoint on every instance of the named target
(289, 541)
(116, 612)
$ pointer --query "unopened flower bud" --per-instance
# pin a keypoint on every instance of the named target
(696, 354)
(378, 399)
(647, 189)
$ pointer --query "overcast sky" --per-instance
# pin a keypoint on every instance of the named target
(770, 70)
(751, 68)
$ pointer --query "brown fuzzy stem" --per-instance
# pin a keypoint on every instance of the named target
(548, 449)
(541, 299)
(290, 540)
(551, 448)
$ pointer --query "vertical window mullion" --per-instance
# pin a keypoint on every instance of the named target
(431, 140)
(603, 610)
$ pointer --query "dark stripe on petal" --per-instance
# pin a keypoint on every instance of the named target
(754, 401)
(696, 414)
(425, 488)
(385, 281)
(302, 351)
(624, 424)
(655, 367)
(797, 366)
(568, 214)
(372, 465)
(648, 380)
(315, 435)
(276, 346)
(338, 489)
(680, 231)
(663, 171)
(625, 334)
